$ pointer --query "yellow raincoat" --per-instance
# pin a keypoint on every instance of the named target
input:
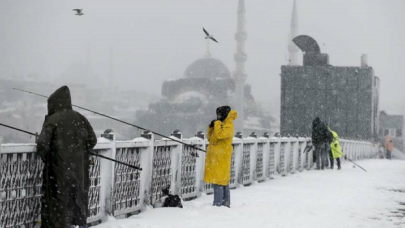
(335, 145)
(219, 152)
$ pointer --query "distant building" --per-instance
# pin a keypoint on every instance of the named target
(189, 103)
(344, 97)
(392, 125)
(27, 111)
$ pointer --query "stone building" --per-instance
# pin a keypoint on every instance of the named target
(345, 97)
(392, 125)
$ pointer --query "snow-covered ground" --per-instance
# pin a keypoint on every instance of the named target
(346, 198)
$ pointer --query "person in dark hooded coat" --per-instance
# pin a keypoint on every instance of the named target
(319, 140)
(63, 145)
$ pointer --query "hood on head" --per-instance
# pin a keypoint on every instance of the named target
(223, 111)
(60, 100)
(316, 121)
(233, 115)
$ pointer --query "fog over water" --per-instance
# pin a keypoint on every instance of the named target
(153, 41)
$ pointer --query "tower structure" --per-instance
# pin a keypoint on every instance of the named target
(88, 70)
(208, 53)
(240, 59)
(110, 78)
(292, 48)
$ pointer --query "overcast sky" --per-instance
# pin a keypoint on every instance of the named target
(156, 40)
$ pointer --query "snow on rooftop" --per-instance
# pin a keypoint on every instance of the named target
(171, 79)
(103, 140)
(140, 139)
(195, 139)
(190, 94)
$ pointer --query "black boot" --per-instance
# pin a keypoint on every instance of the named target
(338, 163)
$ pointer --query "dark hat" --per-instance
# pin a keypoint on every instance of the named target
(223, 111)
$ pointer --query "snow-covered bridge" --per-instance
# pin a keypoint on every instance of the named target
(316, 199)
(263, 197)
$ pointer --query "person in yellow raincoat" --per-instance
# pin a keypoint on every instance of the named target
(219, 155)
(336, 150)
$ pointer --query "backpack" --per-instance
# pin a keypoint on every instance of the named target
(172, 201)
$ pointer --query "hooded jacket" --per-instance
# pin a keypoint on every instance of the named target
(219, 152)
(319, 132)
(63, 146)
(335, 146)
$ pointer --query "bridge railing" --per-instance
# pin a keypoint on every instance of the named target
(120, 191)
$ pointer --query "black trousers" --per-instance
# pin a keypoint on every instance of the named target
(331, 159)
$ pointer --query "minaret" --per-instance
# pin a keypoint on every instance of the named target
(292, 48)
(208, 53)
(240, 59)
(88, 76)
(110, 78)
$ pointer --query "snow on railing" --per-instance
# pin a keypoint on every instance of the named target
(120, 191)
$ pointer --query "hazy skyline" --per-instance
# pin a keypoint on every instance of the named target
(153, 41)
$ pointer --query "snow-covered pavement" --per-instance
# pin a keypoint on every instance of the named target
(346, 198)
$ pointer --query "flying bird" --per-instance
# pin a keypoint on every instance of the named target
(78, 12)
(208, 36)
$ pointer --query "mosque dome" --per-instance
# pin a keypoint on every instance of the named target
(207, 68)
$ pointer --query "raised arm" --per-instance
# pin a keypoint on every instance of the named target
(222, 131)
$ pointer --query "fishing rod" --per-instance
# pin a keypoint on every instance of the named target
(346, 158)
(307, 149)
(109, 117)
(97, 155)
(354, 163)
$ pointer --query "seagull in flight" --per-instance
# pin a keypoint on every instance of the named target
(79, 12)
(208, 36)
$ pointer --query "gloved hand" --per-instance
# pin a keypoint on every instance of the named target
(212, 123)
(335, 144)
